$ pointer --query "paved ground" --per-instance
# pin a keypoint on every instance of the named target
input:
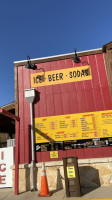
(99, 193)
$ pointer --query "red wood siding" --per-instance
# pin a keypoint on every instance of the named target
(98, 152)
(67, 98)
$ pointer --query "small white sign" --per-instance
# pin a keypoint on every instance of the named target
(37, 147)
(6, 161)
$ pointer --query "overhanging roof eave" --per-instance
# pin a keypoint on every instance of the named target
(8, 114)
(58, 57)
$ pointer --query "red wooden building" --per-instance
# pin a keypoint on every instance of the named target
(65, 98)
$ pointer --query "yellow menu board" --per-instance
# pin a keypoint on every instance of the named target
(66, 75)
(73, 126)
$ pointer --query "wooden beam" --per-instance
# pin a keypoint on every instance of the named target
(8, 114)
(108, 64)
(107, 46)
(9, 106)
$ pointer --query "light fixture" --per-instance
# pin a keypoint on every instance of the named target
(76, 59)
(29, 65)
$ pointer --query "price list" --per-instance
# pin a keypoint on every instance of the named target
(106, 124)
(90, 126)
(73, 127)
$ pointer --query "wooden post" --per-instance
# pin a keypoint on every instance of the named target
(16, 190)
(107, 50)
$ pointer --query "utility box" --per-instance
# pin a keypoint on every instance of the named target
(71, 172)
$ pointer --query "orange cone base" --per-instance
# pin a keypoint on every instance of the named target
(47, 195)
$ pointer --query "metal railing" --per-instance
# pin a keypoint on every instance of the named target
(11, 143)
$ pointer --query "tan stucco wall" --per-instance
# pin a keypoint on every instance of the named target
(93, 173)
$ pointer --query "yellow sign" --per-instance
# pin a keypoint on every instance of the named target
(53, 154)
(61, 76)
(71, 172)
(73, 126)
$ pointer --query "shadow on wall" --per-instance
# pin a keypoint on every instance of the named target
(59, 185)
(89, 179)
(28, 178)
(28, 188)
(37, 97)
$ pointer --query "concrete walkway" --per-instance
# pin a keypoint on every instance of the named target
(99, 193)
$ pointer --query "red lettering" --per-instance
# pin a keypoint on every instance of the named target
(2, 179)
(88, 115)
(2, 155)
(2, 168)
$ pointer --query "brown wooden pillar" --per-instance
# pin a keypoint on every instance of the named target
(107, 50)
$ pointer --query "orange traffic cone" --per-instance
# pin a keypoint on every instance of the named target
(44, 186)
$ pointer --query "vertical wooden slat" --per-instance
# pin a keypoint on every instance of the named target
(50, 104)
(72, 93)
(88, 153)
(81, 101)
(79, 85)
(73, 102)
(38, 157)
(101, 70)
(107, 151)
(21, 115)
(71, 86)
(42, 106)
(49, 88)
(98, 99)
(55, 66)
(94, 71)
(63, 87)
(98, 152)
(90, 100)
(107, 98)
(40, 92)
(81, 98)
(80, 153)
(27, 119)
(40, 69)
(70, 152)
(58, 104)
(61, 154)
(108, 67)
(45, 156)
(16, 90)
(65, 103)
(101, 75)
(86, 84)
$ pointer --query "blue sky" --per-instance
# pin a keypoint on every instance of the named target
(41, 28)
